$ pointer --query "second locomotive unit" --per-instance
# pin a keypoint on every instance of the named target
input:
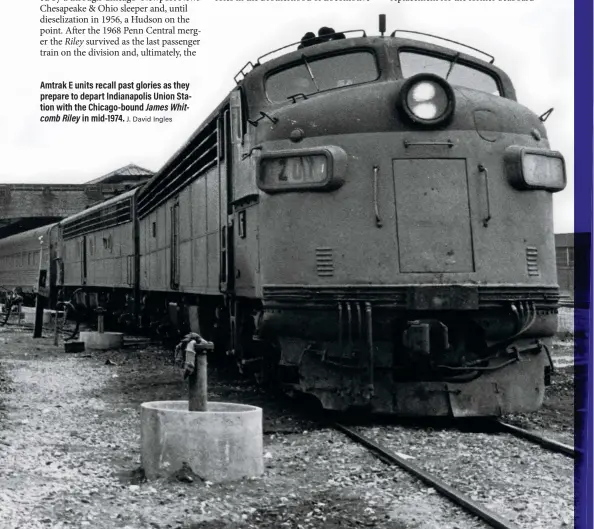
(367, 220)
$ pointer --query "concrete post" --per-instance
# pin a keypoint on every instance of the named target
(39, 307)
(39, 299)
(64, 316)
(56, 326)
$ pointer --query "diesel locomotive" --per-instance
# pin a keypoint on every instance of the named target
(366, 220)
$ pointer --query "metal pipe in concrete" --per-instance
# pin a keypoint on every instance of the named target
(198, 380)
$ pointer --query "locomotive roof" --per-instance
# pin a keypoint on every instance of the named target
(35, 233)
(336, 45)
(214, 114)
(252, 80)
(113, 200)
(254, 77)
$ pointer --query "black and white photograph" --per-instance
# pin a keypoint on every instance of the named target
(289, 264)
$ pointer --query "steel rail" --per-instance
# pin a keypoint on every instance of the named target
(545, 442)
(451, 493)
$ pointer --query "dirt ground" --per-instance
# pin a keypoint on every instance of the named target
(69, 452)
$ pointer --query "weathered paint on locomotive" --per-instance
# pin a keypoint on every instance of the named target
(98, 246)
(336, 286)
(431, 226)
(179, 240)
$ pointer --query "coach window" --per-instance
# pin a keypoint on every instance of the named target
(318, 75)
(413, 63)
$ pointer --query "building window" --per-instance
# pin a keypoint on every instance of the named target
(564, 257)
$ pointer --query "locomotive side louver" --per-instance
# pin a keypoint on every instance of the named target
(532, 261)
(324, 262)
(99, 219)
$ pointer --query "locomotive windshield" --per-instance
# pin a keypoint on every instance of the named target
(458, 74)
(318, 75)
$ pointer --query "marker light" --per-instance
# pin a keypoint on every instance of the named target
(427, 99)
(294, 170)
(529, 168)
(317, 169)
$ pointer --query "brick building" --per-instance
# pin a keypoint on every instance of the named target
(564, 247)
(27, 206)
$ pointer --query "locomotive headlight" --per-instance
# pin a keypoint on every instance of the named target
(427, 99)
(302, 169)
(529, 168)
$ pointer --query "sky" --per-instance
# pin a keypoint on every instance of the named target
(531, 40)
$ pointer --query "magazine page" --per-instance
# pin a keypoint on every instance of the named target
(288, 264)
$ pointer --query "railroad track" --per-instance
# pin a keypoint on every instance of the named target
(545, 442)
(470, 505)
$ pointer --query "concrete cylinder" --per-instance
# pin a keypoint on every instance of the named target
(29, 317)
(102, 340)
(223, 443)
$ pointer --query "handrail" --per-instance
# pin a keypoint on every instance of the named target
(491, 61)
(249, 63)
(259, 60)
(300, 42)
(364, 34)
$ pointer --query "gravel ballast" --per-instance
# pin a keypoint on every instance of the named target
(69, 457)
